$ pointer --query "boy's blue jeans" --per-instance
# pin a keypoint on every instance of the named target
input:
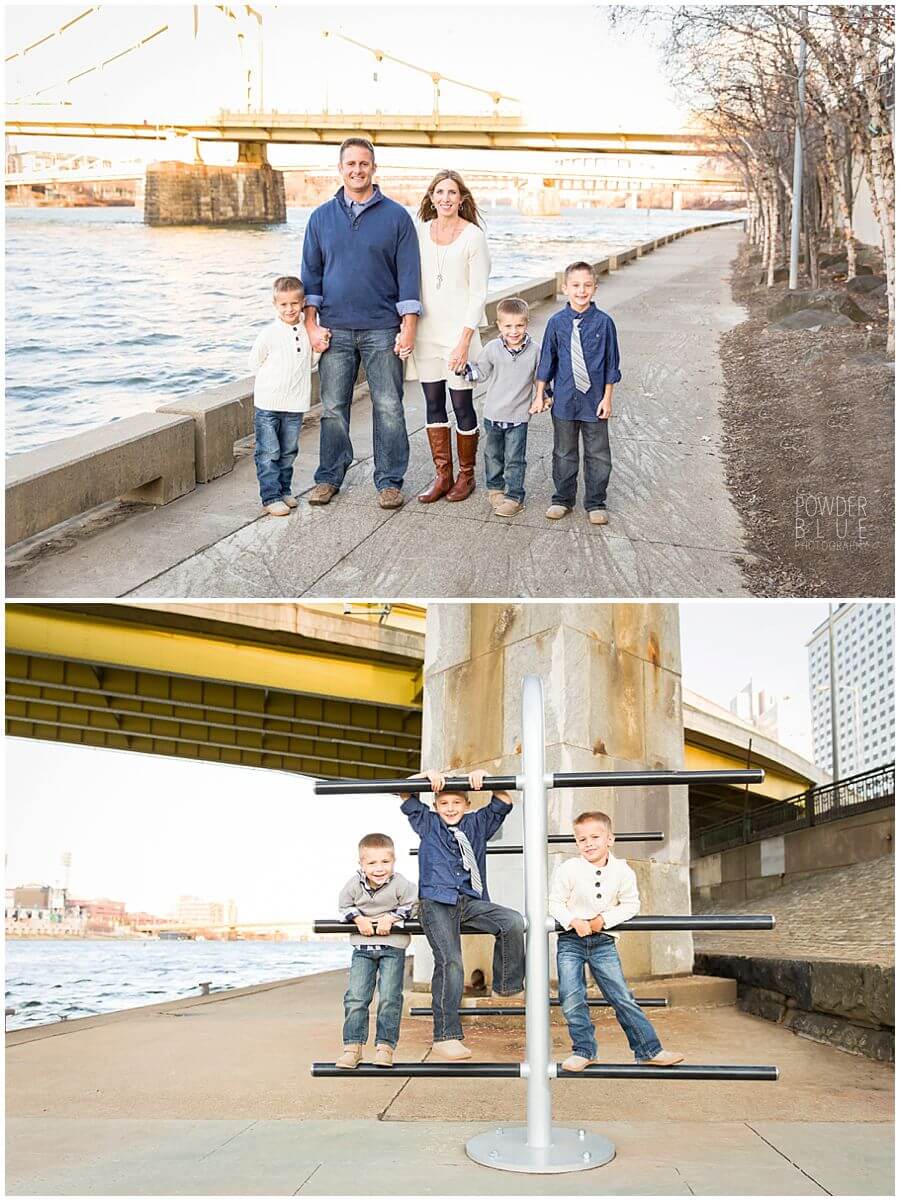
(599, 952)
(338, 367)
(368, 965)
(597, 462)
(277, 442)
(441, 924)
(504, 459)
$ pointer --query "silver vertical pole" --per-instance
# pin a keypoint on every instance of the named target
(537, 960)
(539, 1146)
(797, 198)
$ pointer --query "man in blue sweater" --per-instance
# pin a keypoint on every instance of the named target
(361, 278)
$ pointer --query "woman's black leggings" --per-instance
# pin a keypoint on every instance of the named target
(436, 406)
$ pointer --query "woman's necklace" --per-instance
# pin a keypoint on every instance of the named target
(442, 259)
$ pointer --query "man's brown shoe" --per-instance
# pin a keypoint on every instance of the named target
(322, 494)
(664, 1059)
(390, 498)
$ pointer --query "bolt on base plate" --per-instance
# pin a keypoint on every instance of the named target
(505, 1147)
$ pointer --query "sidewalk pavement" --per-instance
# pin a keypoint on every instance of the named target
(673, 530)
(213, 1096)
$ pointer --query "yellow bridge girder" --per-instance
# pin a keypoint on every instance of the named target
(90, 679)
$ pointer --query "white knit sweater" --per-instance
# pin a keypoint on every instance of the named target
(282, 361)
(578, 889)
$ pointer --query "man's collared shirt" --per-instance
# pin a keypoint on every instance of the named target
(600, 347)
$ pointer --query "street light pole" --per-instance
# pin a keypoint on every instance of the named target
(797, 198)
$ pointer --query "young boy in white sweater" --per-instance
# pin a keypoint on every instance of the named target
(282, 361)
(588, 897)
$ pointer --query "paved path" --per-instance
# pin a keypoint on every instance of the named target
(214, 1096)
(673, 530)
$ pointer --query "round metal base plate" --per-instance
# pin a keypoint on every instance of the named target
(505, 1147)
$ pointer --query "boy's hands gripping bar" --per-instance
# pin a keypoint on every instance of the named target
(590, 779)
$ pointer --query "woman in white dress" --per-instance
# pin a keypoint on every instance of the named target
(455, 270)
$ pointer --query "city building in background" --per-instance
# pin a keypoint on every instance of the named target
(198, 912)
(863, 654)
(757, 708)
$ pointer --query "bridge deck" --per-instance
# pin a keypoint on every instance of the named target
(673, 529)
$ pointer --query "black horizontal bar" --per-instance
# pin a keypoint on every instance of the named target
(472, 1011)
(711, 921)
(592, 779)
(604, 1071)
(649, 836)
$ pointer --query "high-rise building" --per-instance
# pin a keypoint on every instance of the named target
(758, 708)
(863, 636)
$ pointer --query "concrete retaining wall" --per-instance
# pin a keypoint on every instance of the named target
(153, 458)
(848, 1005)
(762, 867)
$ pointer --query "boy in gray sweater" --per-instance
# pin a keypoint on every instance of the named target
(508, 365)
(378, 901)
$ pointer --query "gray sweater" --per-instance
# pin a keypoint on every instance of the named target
(510, 379)
(358, 898)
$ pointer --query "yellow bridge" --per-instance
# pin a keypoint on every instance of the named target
(322, 690)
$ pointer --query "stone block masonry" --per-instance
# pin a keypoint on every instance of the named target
(196, 194)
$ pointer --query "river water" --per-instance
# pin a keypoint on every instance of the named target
(52, 980)
(107, 317)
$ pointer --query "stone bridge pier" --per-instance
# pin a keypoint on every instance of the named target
(194, 193)
(612, 688)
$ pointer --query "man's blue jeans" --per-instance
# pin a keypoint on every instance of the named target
(599, 952)
(277, 441)
(504, 459)
(338, 368)
(368, 965)
(441, 924)
(597, 462)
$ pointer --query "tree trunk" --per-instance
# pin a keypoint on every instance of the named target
(836, 188)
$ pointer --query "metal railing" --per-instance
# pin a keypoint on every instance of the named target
(873, 789)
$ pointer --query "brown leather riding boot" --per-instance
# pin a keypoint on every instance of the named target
(439, 441)
(466, 448)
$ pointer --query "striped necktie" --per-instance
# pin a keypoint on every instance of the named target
(579, 367)
(468, 858)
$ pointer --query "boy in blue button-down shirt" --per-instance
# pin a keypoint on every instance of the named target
(453, 892)
(580, 355)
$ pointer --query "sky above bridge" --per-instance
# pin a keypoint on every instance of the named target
(144, 829)
(564, 63)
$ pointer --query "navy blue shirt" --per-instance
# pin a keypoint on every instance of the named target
(361, 270)
(442, 876)
(601, 357)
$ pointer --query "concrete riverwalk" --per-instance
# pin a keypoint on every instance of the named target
(673, 530)
(213, 1096)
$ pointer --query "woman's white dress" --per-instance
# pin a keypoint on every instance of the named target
(464, 266)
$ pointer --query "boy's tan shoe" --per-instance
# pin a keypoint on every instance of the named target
(322, 494)
(351, 1057)
(598, 517)
(575, 1063)
(291, 502)
(664, 1059)
(494, 496)
(557, 511)
(384, 1056)
(277, 508)
(451, 1048)
(508, 508)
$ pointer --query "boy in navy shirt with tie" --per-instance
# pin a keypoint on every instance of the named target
(453, 892)
(580, 355)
